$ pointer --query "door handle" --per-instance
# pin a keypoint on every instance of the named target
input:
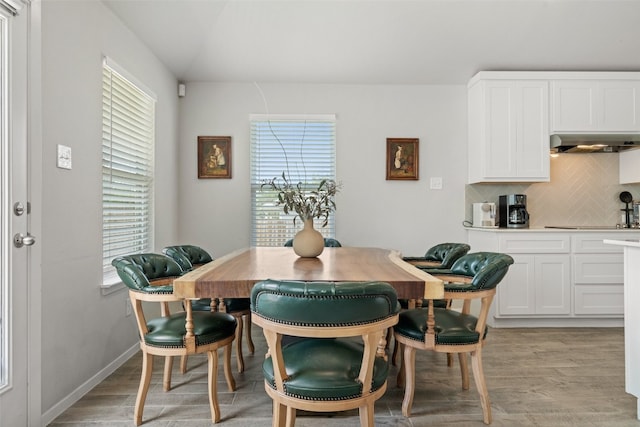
(20, 240)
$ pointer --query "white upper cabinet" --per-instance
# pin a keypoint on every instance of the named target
(583, 106)
(508, 130)
(630, 166)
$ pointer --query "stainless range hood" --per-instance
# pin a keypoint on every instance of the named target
(593, 143)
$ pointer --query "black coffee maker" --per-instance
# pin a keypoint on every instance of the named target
(512, 211)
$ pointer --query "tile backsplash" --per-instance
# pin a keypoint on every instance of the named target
(584, 190)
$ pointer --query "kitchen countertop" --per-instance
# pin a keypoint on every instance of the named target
(568, 229)
(634, 243)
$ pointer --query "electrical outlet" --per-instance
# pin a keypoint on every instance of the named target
(127, 307)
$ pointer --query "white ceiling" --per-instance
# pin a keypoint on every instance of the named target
(382, 41)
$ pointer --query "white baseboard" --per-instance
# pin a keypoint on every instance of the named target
(558, 322)
(57, 409)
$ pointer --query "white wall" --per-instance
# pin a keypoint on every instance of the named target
(82, 330)
(403, 215)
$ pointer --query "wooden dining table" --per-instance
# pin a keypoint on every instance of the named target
(235, 274)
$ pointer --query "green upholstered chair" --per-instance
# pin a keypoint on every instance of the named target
(438, 260)
(314, 373)
(472, 277)
(439, 257)
(328, 243)
(190, 257)
(149, 278)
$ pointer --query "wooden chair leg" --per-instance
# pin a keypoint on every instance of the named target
(366, 415)
(279, 415)
(252, 348)
(228, 374)
(183, 364)
(239, 358)
(449, 359)
(478, 377)
(291, 416)
(166, 377)
(401, 374)
(395, 354)
(464, 370)
(409, 368)
(143, 388)
(212, 377)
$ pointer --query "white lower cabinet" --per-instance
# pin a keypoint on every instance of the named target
(598, 275)
(539, 281)
(536, 284)
(557, 279)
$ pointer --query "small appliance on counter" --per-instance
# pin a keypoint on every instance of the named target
(484, 215)
(512, 211)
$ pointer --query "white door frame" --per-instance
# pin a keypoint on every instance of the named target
(20, 403)
(34, 171)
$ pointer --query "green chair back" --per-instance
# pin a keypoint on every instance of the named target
(139, 270)
(187, 255)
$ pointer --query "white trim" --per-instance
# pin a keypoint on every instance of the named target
(33, 14)
(12, 6)
(317, 117)
(64, 404)
(124, 73)
(6, 315)
(111, 288)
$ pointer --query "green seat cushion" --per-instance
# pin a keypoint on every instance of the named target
(232, 304)
(208, 328)
(325, 369)
(451, 327)
(203, 304)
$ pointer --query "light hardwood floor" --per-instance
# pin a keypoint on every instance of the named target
(536, 377)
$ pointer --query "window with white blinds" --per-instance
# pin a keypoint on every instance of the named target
(304, 149)
(128, 117)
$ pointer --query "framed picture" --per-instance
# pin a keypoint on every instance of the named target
(402, 158)
(214, 157)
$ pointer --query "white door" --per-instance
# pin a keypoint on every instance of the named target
(14, 278)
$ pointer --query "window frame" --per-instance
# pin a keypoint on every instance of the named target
(304, 148)
(132, 139)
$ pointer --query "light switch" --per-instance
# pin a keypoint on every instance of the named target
(435, 183)
(64, 157)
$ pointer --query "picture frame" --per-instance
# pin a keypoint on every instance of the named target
(402, 158)
(214, 157)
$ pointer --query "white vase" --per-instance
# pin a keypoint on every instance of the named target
(308, 242)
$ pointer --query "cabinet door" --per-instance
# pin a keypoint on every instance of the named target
(532, 149)
(572, 106)
(629, 166)
(516, 140)
(595, 106)
(500, 127)
(516, 293)
(620, 103)
(598, 287)
(553, 284)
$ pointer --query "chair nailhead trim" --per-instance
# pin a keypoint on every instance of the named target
(325, 297)
(325, 399)
(436, 339)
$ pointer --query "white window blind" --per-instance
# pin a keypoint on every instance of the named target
(304, 148)
(128, 122)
